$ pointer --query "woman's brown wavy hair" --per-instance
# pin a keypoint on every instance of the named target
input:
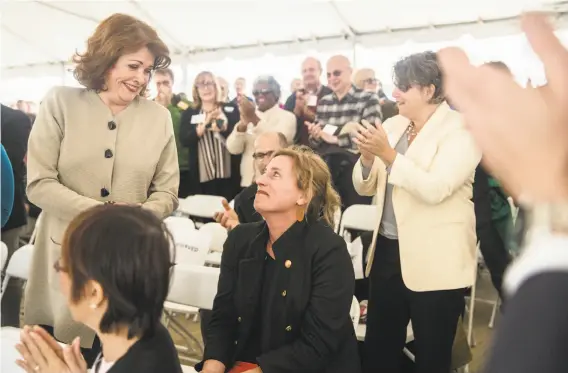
(117, 35)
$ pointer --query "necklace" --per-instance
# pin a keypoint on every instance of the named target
(411, 132)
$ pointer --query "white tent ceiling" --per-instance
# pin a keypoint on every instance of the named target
(43, 34)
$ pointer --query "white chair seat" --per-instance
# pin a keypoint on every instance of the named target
(201, 206)
(218, 234)
(359, 217)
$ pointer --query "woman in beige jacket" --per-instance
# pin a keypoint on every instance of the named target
(104, 143)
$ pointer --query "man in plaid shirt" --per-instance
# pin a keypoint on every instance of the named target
(336, 116)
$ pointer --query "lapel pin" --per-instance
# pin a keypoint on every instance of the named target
(288, 264)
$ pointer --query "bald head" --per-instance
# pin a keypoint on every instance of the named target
(311, 73)
(339, 74)
(265, 145)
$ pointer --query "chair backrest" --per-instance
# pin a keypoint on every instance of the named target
(3, 255)
(218, 233)
(202, 206)
(19, 265)
(192, 246)
(359, 217)
(194, 286)
(337, 220)
(355, 249)
(355, 312)
(176, 223)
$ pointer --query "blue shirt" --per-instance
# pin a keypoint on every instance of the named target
(7, 175)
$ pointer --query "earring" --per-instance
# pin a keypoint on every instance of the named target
(300, 213)
(93, 306)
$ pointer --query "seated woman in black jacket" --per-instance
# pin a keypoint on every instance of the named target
(286, 283)
(114, 272)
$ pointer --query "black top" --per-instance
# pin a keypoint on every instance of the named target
(16, 127)
(302, 135)
(253, 347)
(305, 325)
(188, 138)
(153, 354)
(244, 205)
(533, 334)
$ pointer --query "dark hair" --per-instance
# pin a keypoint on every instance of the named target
(165, 71)
(422, 70)
(129, 252)
(117, 35)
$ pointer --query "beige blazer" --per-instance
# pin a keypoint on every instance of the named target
(272, 120)
(67, 169)
(432, 201)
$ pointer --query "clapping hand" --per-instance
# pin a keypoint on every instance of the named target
(372, 140)
(41, 353)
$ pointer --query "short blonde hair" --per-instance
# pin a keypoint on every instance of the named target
(361, 75)
(196, 99)
(314, 179)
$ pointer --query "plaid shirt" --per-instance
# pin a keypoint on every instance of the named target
(354, 107)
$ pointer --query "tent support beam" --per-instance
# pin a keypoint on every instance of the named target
(55, 7)
(157, 25)
(348, 28)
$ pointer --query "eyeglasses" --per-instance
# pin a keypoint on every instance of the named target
(205, 84)
(371, 81)
(264, 92)
(260, 155)
(335, 73)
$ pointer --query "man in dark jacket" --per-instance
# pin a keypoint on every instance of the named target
(16, 127)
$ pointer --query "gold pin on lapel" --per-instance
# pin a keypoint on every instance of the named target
(288, 264)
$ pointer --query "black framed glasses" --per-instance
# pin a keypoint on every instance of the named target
(202, 85)
(264, 92)
(335, 73)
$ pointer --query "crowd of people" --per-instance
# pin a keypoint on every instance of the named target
(105, 165)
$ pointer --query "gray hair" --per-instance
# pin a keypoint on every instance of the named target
(272, 83)
(422, 70)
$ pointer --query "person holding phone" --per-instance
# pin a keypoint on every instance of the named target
(204, 128)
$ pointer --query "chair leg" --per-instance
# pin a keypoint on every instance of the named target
(186, 334)
(494, 313)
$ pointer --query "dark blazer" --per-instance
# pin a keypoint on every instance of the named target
(188, 138)
(16, 127)
(244, 205)
(150, 355)
(310, 328)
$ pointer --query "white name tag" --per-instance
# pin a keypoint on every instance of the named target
(312, 100)
(197, 119)
(330, 129)
(229, 109)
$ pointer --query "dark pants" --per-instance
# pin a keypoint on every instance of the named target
(495, 254)
(341, 168)
(184, 184)
(11, 300)
(90, 354)
(434, 316)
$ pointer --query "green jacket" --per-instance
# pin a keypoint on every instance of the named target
(501, 215)
(183, 152)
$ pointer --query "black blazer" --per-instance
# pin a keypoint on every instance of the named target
(244, 205)
(150, 355)
(16, 127)
(188, 138)
(310, 328)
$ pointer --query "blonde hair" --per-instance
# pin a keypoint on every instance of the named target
(196, 99)
(361, 75)
(314, 179)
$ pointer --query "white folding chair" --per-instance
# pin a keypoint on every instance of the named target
(201, 206)
(337, 220)
(4, 255)
(175, 223)
(192, 287)
(359, 217)
(192, 246)
(19, 265)
(218, 233)
(355, 249)
(355, 312)
(232, 203)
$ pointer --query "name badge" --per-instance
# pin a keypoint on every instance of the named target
(313, 100)
(229, 109)
(330, 129)
(182, 105)
(197, 119)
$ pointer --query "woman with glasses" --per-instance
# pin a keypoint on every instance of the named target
(119, 298)
(268, 116)
(420, 165)
(204, 129)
